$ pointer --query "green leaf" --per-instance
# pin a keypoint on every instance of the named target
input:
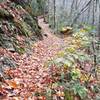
(80, 90)
(68, 95)
(82, 93)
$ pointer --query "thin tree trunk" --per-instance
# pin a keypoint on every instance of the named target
(88, 14)
(54, 14)
(48, 9)
(99, 22)
(93, 19)
(71, 9)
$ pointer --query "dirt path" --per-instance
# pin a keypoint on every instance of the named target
(31, 71)
(45, 27)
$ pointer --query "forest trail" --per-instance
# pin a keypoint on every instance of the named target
(50, 36)
(31, 70)
(44, 26)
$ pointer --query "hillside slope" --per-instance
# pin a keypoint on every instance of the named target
(17, 21)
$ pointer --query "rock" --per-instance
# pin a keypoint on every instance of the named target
(66, 30)
(9, 62)
(10, 46)
(6, 62)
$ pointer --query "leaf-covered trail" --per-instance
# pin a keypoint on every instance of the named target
(31, 71)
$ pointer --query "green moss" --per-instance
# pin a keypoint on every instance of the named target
(24, 28)
(5, 14)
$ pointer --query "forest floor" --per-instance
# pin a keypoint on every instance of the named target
(31, 73)
(33, 76)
